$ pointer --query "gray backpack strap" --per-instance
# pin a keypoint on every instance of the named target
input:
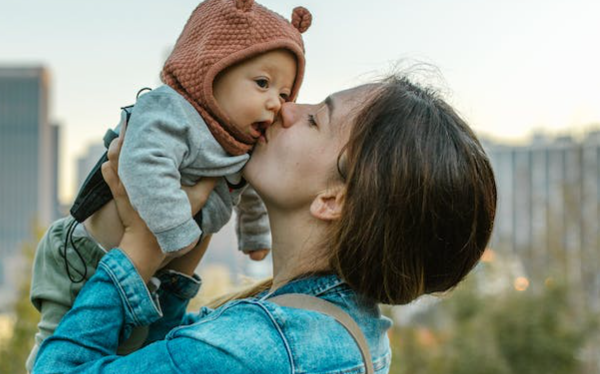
(301, 301)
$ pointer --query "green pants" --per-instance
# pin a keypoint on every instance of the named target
(53, 293)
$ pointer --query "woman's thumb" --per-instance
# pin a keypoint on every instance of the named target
(205, 187)
(198, 193)
(110, 177)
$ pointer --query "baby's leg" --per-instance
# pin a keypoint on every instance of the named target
(105, 226)
(52, 291)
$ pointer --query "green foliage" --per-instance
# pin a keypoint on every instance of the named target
(507, 332)
(14, 352)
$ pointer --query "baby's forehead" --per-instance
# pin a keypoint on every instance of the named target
(270, 65)
(273, 60)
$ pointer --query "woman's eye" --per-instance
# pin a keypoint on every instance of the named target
(311, 121)
(262, 83)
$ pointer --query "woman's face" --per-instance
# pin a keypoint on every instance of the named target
(297, 157)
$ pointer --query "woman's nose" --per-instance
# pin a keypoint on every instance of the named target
(290, 114)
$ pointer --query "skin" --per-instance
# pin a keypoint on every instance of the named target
(293, 168)
(251, 95)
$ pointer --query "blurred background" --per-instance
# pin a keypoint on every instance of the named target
(525, 75)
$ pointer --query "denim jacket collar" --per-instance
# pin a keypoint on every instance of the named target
(314, 285)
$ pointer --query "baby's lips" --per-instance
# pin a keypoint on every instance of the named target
(265, 124)
(256, 130)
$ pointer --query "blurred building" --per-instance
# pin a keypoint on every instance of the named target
(548, 209)
(86, 162)
(55, 145)
(28, 167)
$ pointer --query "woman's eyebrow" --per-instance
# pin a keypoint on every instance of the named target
(330, 105)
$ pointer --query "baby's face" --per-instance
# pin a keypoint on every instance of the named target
(251, 93)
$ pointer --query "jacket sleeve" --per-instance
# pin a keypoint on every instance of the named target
(174, 294)
(229, 340)
(155, 147)
(252, 222)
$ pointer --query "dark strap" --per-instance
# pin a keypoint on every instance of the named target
(302, 301)
(94, 192)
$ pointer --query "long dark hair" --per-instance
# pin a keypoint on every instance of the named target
(420, 200)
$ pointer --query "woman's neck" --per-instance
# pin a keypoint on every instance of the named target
(297, 245)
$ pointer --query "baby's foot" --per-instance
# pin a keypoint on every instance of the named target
(258, 255)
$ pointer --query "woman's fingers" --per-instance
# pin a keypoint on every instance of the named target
(112, 179)
(123, 131)
(128, 215)
(114, 149)
(198, 193)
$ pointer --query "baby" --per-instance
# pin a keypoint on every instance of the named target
(233, 66)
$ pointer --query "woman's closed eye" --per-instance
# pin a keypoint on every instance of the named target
(312, 122)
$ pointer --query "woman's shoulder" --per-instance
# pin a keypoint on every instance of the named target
(301, 339)
(317, 342)
(242, 334)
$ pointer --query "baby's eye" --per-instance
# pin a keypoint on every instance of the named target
(284, 96)
(262, 82)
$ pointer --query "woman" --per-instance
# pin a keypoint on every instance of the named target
(379, 194)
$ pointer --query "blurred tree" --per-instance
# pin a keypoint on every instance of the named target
(506, 332)
(14, 352)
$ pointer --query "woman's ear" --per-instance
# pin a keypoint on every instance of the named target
(327, 206)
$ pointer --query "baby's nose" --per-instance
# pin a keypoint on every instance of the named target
(274, 104)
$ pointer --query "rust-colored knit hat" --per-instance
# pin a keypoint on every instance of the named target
(219, 34)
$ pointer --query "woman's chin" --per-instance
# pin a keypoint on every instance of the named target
(252, 171)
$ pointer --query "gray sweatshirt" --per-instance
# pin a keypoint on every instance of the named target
(168, 145)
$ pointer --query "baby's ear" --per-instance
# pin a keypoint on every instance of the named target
(244, 5)
(301, 19)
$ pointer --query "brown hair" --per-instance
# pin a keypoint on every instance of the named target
(420, 198)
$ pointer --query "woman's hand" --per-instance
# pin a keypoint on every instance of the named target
(138, 242)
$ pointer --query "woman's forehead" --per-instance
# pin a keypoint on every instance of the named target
(344, 104)
(352, 95)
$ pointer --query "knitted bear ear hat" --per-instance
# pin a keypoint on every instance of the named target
(219, 34)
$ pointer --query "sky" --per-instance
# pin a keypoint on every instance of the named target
(510, 67)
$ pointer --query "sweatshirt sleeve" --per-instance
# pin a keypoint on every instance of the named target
(155, 147)
(252, 223)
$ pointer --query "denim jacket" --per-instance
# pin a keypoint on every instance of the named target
(250, 335)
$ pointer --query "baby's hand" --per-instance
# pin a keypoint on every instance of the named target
(258, 254)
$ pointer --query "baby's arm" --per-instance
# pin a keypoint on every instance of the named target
(252, 223)
(155, 146)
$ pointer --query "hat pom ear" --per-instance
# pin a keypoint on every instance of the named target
(244, 5)
(301, 19)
